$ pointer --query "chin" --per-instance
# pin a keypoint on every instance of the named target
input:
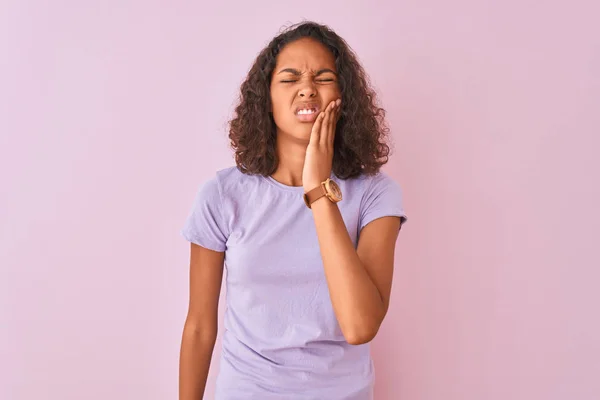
(298, 133)
(303, 134)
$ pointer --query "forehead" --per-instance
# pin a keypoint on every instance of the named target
(305, 53)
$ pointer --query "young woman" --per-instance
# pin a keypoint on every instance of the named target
(305, 224)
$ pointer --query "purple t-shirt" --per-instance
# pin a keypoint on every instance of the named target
(281, 338)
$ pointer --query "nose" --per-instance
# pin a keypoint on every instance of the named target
(308, 90)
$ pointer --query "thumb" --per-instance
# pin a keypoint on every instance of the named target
(315, 134)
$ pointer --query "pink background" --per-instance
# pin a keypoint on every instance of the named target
(113, 112)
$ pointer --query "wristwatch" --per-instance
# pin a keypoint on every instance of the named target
(327, 188)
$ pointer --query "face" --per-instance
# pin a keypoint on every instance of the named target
(304, 82)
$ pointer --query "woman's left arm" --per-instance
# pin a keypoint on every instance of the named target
(359, 280)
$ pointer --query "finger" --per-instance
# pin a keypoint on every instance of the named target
(315, 134)
(325, 127)
(331, 126)
(325, 130)
(334, 120)
(339, 110)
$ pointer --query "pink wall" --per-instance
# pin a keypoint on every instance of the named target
(112, 114)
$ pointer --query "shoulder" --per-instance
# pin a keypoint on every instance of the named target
(222, 179)
(210, 189)
(227, 184)
(228, 174)
(231, 181)
(370, 184)
(376, 195)
(382, 183)
(380, 178)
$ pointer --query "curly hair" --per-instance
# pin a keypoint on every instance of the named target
(360, 145)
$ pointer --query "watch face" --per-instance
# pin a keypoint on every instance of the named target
(334, 190)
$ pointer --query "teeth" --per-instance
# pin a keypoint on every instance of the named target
(306, 112)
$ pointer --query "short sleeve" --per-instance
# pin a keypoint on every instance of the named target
(382, 198)
(205, 223)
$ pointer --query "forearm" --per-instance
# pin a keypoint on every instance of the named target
(194, 363)
(357, 303)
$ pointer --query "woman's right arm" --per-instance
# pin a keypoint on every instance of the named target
(200, 329)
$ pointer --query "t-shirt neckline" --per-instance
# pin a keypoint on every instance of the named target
(276, 183)
(297, 189)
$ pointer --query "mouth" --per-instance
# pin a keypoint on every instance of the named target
(307, 112)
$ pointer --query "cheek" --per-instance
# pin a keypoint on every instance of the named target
(331, 94)
(282, 116)
(278, 101)
(279, 111)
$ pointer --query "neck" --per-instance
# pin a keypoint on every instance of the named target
(291, 154)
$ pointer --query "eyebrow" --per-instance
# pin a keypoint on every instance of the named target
(298, 73)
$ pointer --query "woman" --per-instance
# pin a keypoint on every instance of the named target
(306, 225)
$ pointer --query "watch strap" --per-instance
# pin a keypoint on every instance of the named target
(315, 194)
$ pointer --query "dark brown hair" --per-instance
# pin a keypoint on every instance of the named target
(360, 145)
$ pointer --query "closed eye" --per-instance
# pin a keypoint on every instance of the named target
(318, 80)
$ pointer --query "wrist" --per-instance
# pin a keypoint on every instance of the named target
(322, 203)
(313, 182)
(311, 185)
(328, 189)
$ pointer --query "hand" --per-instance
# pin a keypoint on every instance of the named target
(319, 153)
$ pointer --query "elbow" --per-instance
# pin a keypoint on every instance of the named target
(361, 329)
(205, 333)
(364, 335)
(358, 340)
